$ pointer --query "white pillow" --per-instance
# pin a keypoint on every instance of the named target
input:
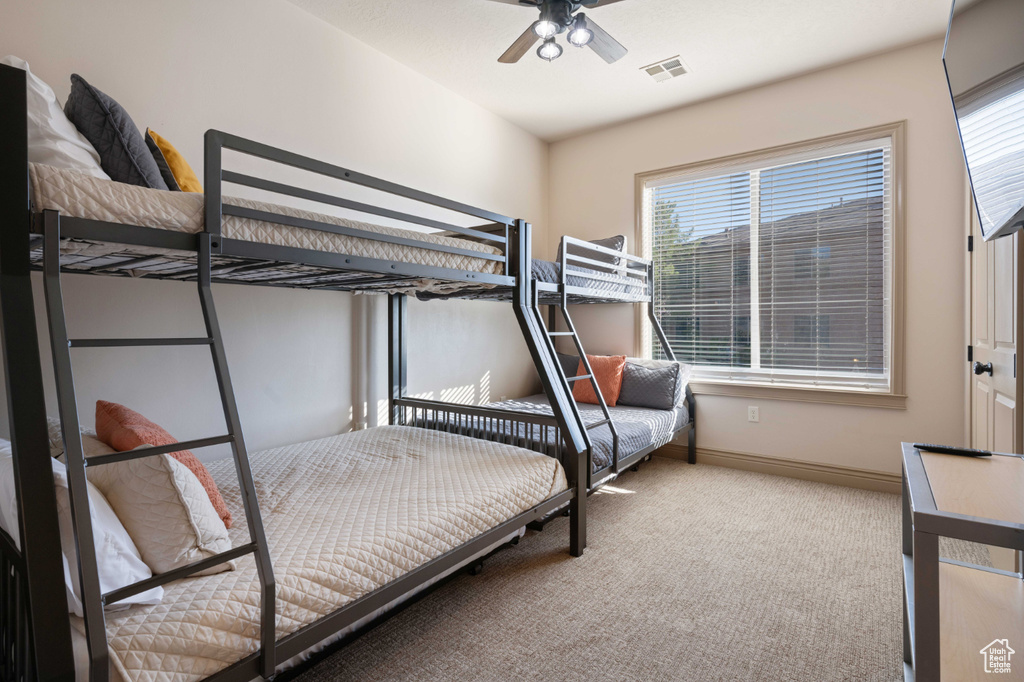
(166, 510)
(91, 443)
(117, 558)
(52, 138)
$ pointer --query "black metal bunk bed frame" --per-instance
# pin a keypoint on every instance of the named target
(35, 630)
(34, 622)
(487, 421)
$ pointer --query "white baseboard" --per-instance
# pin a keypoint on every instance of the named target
(793, 468)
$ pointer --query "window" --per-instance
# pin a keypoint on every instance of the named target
(811, 263)
(780, 268)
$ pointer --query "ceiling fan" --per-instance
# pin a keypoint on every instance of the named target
(559, 16)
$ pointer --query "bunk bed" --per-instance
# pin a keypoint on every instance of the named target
(617, 438)
(55, 222)
(60, 222)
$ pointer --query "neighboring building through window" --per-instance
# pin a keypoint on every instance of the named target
(778, 268)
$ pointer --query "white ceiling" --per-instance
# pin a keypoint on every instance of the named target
(728, 44)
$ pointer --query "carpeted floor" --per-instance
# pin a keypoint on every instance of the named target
(692, 573)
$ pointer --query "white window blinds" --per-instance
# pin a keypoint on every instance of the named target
(778, 271)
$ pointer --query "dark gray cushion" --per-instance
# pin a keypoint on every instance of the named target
(165, 170)
(124, 155)
(617, 243)
(657, 388)
(570, 363)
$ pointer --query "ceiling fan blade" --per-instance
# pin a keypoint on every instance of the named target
(593, 3)
(520, 47)
(603, 44)
(525, 3)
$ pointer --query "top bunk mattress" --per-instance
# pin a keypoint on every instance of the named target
(79, 195)
(343, 516)
(600, 285)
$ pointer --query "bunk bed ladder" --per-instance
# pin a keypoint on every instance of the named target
(576, 462)
(588, 375)
(93, 600)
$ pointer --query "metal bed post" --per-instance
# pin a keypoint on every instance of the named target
(662, 339)
(577, 465)
(74, 455)
(213, 209)
(397, 354)
(250, 502)
(211, 242)
(691, 404)
(39, 568)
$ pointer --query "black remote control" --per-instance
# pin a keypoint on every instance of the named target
(951, 450)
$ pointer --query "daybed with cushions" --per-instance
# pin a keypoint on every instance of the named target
(653, 406)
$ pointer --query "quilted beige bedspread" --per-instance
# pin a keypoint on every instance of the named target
(343, 516)
(82, 196)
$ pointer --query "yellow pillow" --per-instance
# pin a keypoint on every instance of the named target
(172, 163)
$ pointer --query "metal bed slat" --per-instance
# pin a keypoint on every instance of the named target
(222, 140)
(154, 450)
(326, 259)
(625, 270)
(160, 579)
(123, 343)
(601, 249)
(120, 233)
(320, 197)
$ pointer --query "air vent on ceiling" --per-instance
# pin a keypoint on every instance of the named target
(667, 69)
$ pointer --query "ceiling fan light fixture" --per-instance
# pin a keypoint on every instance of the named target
(549, 50)
(579, 34)
(545, 28)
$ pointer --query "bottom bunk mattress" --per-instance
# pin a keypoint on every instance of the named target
(343, 516)
(638, 427)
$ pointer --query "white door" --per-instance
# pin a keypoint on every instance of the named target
(995, 320)
(995, 329)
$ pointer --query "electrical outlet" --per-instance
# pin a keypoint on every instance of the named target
(753, 414)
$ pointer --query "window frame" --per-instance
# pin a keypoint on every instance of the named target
(895, 396)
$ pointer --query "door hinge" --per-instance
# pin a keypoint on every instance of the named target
(970, 242)
(970, 353)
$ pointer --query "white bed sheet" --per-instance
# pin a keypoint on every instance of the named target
(343, 515)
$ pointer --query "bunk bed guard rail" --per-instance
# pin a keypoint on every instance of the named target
(494, 232)
(536, 432)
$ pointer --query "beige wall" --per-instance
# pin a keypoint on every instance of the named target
(267, 70)
(592, 195)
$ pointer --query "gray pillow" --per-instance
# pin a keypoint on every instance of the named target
(108, 127)
(161, 162)
(659, 388)
(570, 363)
(617, 243)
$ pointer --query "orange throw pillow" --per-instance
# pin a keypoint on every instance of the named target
(124, 429)
(607, 372)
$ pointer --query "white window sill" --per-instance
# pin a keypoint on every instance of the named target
(832, 396)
